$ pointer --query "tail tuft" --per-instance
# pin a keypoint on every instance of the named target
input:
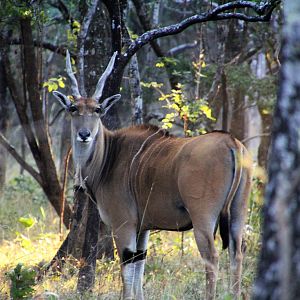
(224, 229)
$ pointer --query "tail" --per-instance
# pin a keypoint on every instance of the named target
(237, 155)
(224, 229)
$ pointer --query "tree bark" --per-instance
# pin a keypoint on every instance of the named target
(86, 276)
(279, 264)
(136, 92)
(238, 122)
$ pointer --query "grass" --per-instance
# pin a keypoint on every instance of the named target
(169, 274)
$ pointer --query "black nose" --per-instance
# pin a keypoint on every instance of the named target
(84, 133)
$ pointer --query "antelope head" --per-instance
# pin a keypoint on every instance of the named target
(86, 125)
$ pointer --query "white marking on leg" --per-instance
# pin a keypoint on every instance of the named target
(128, 274)
(139, 274)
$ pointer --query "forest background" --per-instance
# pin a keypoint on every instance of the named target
(218, 75)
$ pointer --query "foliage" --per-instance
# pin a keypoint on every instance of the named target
(26, 186)
(52, 84)
(22, 282)
(190, 111)
(260, 90)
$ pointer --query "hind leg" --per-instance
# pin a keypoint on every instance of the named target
(238, 214)
(205, 243)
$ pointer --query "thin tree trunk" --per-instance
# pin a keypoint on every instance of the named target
(263, 149)
(238, 114)
(135, 91)
(225, 104)
(4, 123)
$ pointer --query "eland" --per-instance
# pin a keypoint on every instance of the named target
(143, 179)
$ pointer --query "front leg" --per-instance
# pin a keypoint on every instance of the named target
(132, 255)
(142, 242)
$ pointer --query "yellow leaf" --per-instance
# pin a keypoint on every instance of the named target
(207, 111)
(265, 112)
(175, 106)
(160, 65)
(61, 84)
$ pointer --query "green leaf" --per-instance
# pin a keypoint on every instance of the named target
(27, 221)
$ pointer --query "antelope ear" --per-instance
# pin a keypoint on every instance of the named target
(108, 103)
(63, 99)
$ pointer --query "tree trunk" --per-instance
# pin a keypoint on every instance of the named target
(98, 52)
(263, 149)
(73, 243)
(45, 159)
(32, 118)
(4, 123)
(86, 276)
(279, 265)
(238, 114)
(136, 92)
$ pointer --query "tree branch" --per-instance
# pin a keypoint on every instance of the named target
(46, 45)
(222, 12)
(6, 144)
(63, 10)
(181, 48)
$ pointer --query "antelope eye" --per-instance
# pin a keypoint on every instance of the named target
(98, 110)
(73, 108)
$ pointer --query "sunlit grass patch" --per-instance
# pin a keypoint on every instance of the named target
(168, 274)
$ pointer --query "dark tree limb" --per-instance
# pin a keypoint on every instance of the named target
(11, 149)
(59, 4)
(144, 20)
(46, 45)
(222, 12)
